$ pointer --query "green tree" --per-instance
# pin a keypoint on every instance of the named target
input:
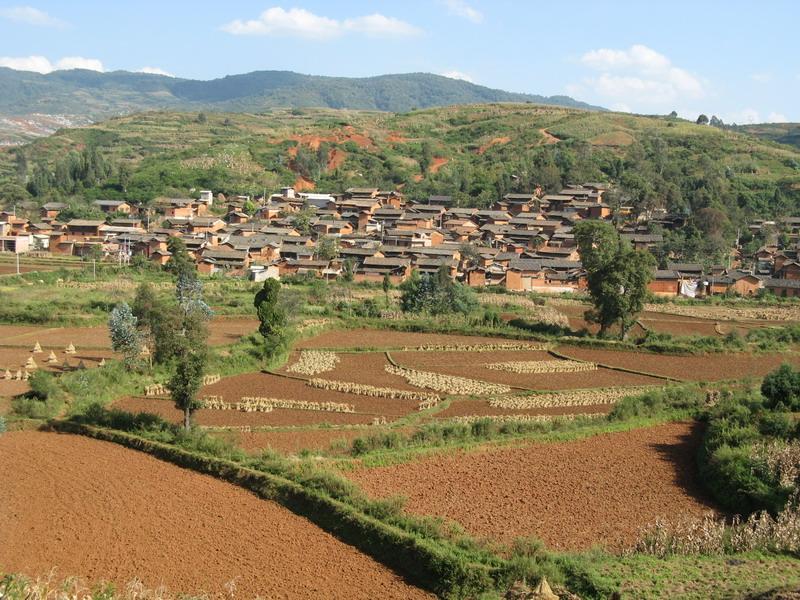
(387, 286)
(782, 387)
(348, 269)
(125, 337)
(702, 120)
(180, 263)
(146, 308)
(617, 275)
(327, 248)
(436, 294)
(271, 316)
(186, 381)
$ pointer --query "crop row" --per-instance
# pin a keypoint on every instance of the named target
(211, 379)
(19, 375)
(569, 398)
(340, 407)
(525, 418)
(448, 384)
(312, 362)
(543, 366)
(156, 389)
(475, 347)
(361, 389)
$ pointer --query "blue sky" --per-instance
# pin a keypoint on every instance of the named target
(739, 60)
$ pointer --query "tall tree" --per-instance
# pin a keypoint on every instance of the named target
(180, 263)
(617, 275)
(125, 337)
(271, 316)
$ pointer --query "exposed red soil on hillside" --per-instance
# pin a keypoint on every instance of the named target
(336, 158)
(302, 184)
(98, 511)
(573, 495)
(704, 367)
(493, 142)
(437, 163)
(396, 138)
(549, 138)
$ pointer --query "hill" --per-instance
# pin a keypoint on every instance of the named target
(782, 133)
(77, 95)
(474, 153)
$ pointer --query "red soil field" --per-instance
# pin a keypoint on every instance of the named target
(377, 338)
(336, 158)
(15, 358)
(222, 331)
(572, 495)
(467, 408)
(367, 368)
(273, 386)
(98, 511)
(471, 366)
(233, 418)
(705, 367)
(293, 440)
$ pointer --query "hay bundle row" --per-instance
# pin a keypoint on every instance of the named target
(312, 362)
(361, 389)
(19, 375)
(543, 366)
(448, 384)
(468, 419)
(514, 346)
(256, 403)
(156, 389)
(211, 379)
(567, 398)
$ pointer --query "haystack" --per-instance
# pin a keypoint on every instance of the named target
(81, 366)
(37, 348)
(31, 364)
(52, 358)
(102, 362)
(8, 375)
(65, 365)
(18, 375)
(70, 349)
(145, 351)
(542, 591)
(25, 376)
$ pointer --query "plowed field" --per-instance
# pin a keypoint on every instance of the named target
(101, 512)
(294, 440)
(468, 408)
(376, 338)
(706, 367)
(572, 495)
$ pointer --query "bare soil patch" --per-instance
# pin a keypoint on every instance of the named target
(597, 491)
(88, 508)
(378, 338)
(294, 440)
(705, 367)
(493, 142)
(437, 163)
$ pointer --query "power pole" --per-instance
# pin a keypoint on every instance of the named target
(17, 253)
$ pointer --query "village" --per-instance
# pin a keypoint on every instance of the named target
(523, 243)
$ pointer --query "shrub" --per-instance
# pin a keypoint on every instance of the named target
(782, 386)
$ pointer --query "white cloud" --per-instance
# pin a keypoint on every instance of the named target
(621, 107)
(154, 71)
(776, 117)
(30, 16)
(464, 10)
(638, 77)
(761, 77)
(299, 22)
(79, 62)
(457, 75)
(40, 64)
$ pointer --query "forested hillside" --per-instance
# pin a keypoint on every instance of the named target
(475, 153)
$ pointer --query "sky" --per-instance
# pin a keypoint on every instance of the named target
(738, 60)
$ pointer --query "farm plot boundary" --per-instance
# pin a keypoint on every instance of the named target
(437, 566)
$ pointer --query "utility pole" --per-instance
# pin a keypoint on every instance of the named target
(94, 269)
(17, 253)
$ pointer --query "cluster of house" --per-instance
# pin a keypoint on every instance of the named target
(524, 242)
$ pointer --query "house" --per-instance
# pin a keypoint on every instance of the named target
(18, 244)
(214, 260)
(51, 210)
(205, 225)
(785, 288)
(113, 206)
(789, 270)
(375, 269)
(84, 228)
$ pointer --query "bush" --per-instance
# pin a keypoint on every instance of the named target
(2, 424)
(782, 387)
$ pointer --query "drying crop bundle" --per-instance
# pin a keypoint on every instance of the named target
(568, 398)
(525, 418)
(157, 389)
(534, 312)
(210, 379)
(297, 404)
(475, 347)
(312, 362)
(361, 389)
(543, 366)
(448, 384)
